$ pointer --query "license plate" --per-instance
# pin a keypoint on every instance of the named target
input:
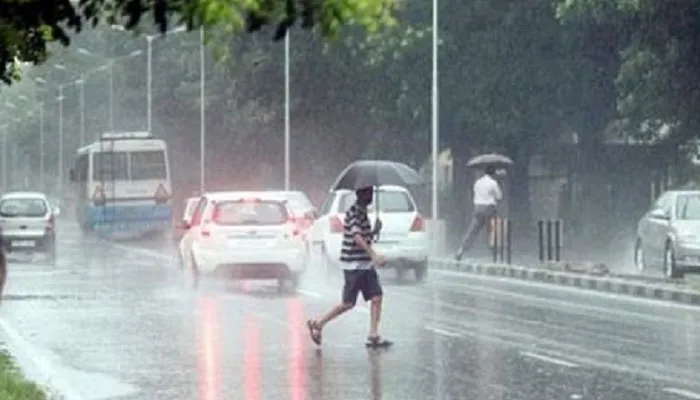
(23, 243)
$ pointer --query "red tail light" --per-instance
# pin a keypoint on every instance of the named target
(49, 224)
(98, 197)
(161, 196)
(336, 225)
(205, 229)
(418, 224)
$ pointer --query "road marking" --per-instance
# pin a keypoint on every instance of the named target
(25, 350)
(569, 289)
(682, 393)
(443, 332)
(310, 294)
(548, 359)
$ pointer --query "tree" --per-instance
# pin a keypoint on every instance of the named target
(27, 27)
(657, 81)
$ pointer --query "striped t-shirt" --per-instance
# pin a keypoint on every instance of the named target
(356, 221)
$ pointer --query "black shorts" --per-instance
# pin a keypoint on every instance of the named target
(361, 280)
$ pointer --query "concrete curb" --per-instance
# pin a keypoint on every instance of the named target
(590, 282)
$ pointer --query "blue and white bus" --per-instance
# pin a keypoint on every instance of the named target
(123, 185)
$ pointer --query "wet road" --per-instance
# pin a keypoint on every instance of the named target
(116, 322)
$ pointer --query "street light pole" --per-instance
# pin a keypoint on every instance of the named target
(111, 95)
(149, 83)
(81, 83)
(287, 149)
(4, 157)
(435, 116)
(202, 126)
(41, 144)
(60, 141)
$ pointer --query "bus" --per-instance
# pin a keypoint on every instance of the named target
(123, 185)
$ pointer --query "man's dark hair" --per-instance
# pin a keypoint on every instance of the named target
(490, 170)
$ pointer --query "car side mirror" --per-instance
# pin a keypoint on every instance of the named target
(659, 214)
(57, 211)
(315, 214)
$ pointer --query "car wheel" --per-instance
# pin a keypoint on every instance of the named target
(639, 260)
(421, 271)
(326, 264)
(400, 273)
(288, 284)
(670, 269)
(51, 253)
(194, 274)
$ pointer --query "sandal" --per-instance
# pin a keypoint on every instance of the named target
(378, 341)
(314, 331)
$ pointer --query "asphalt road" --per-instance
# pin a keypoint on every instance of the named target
(116, 322)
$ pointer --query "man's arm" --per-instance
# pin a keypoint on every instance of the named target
(355, 229)
(497, 191)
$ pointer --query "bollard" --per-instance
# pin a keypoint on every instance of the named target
(499, 238)
(549, 233)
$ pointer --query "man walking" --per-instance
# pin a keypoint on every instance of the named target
(487, 194)
(358, 261)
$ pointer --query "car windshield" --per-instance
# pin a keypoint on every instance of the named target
(688, 207)
(189, 208)
(23, 207)
(298, 202)
(389, 201)
(247, 213)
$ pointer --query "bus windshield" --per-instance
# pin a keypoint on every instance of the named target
(132, 165)
(148, 165)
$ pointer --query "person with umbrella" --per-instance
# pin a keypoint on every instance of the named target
(487, 194)
(358, 257)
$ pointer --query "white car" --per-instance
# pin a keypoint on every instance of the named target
(244, 235)
(27, 220)
(402, 240)
(303, 211)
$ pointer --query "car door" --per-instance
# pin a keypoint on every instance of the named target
(191, 233)
(321, 224)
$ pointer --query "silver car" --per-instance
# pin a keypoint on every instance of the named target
(668, 236)
(27, 220)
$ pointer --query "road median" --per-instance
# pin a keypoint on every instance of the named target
(13, 386)
(584, 276)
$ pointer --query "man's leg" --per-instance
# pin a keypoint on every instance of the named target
(372, 291)
(351, 289)
(479, 219)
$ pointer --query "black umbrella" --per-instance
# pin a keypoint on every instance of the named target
(497, 160)
(372, 173)
(369, 173)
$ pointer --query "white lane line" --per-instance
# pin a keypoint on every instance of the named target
(548, 359)
(310, 294)
(682, 393)
(560, 288)
(26, 353)
(442, 332)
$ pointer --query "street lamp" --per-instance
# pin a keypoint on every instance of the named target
(111, 85)
(4, 156)
(149, 70)
(434, 117)
(286, 114)
(110, 67)
(202, 125)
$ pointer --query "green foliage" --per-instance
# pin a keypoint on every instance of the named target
(27, 27)
(657, 81)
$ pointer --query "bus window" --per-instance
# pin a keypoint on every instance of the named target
(148, 165)
(110, 166)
